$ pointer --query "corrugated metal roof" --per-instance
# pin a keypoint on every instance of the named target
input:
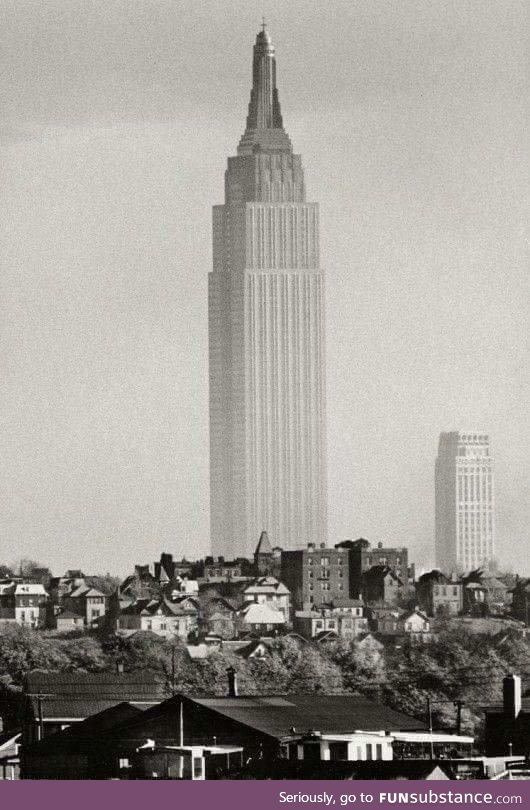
(80, 694)
(325, 713)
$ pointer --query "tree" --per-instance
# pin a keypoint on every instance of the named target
(105, 583)
(23, 649)
(84, 653)
(30, 569)
(363, 669)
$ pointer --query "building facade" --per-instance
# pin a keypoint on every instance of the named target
(266, 334)
(362, 556)
(315, 576)
(464, 502)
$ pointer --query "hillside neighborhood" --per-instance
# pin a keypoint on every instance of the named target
(205, 669)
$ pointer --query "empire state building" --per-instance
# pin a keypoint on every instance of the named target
(266, 339)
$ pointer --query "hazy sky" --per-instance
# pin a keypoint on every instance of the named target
(118, 117)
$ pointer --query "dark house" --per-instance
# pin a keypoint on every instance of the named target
(381, 585)
(362, 557)
(439, 595)
(521, 600)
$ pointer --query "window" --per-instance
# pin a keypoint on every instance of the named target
(326, 586)
(310, 560)
(331, 624)
(124, 762)
(369, 752)
(324, 561)
(338, 751)
(197, 767)
(378, 751)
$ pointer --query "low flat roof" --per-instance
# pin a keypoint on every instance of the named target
(435, 737)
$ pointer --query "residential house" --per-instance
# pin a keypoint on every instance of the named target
(260, 619)
(268, 591)
(7, 602)
(217, 570)
(413, 624)
(475, 598)
(343, 618)
(521, 600)
(439, 595)
(166, 617)
(381, 585)
(9, 755)
(219, 617)
(90, 603)
(66, 621)
(362, 557)
(499, 595)
(30, 604)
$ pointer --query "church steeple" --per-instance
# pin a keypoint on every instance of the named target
(264, 130)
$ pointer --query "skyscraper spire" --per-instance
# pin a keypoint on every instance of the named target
(264, 130)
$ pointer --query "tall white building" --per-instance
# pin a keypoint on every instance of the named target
(464, 502)
(266, 336)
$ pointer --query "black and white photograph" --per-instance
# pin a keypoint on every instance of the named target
(264, 445)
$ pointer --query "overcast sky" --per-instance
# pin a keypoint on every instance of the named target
(118, 116)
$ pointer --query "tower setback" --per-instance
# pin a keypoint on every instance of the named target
(266, 339)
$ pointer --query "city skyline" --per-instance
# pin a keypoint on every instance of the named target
(113, 144)
(266, 338)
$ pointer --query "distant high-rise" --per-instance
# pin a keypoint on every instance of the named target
(464, 513)
(266, 336)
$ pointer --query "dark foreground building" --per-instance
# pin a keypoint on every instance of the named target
(234, 737)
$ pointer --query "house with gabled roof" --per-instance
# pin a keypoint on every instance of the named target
(276, 733)
(166, 617)
(269, 591)
(381, 584)
(260, 619)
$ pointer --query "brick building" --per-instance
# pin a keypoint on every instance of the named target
(315, 576)
(361, 557)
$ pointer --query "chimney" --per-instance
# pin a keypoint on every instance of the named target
(511, 696)
(232, 682)
(322, 545)
(311, 546)
(379, 545)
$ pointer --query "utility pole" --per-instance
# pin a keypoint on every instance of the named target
(459, 704)
(429, 712)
